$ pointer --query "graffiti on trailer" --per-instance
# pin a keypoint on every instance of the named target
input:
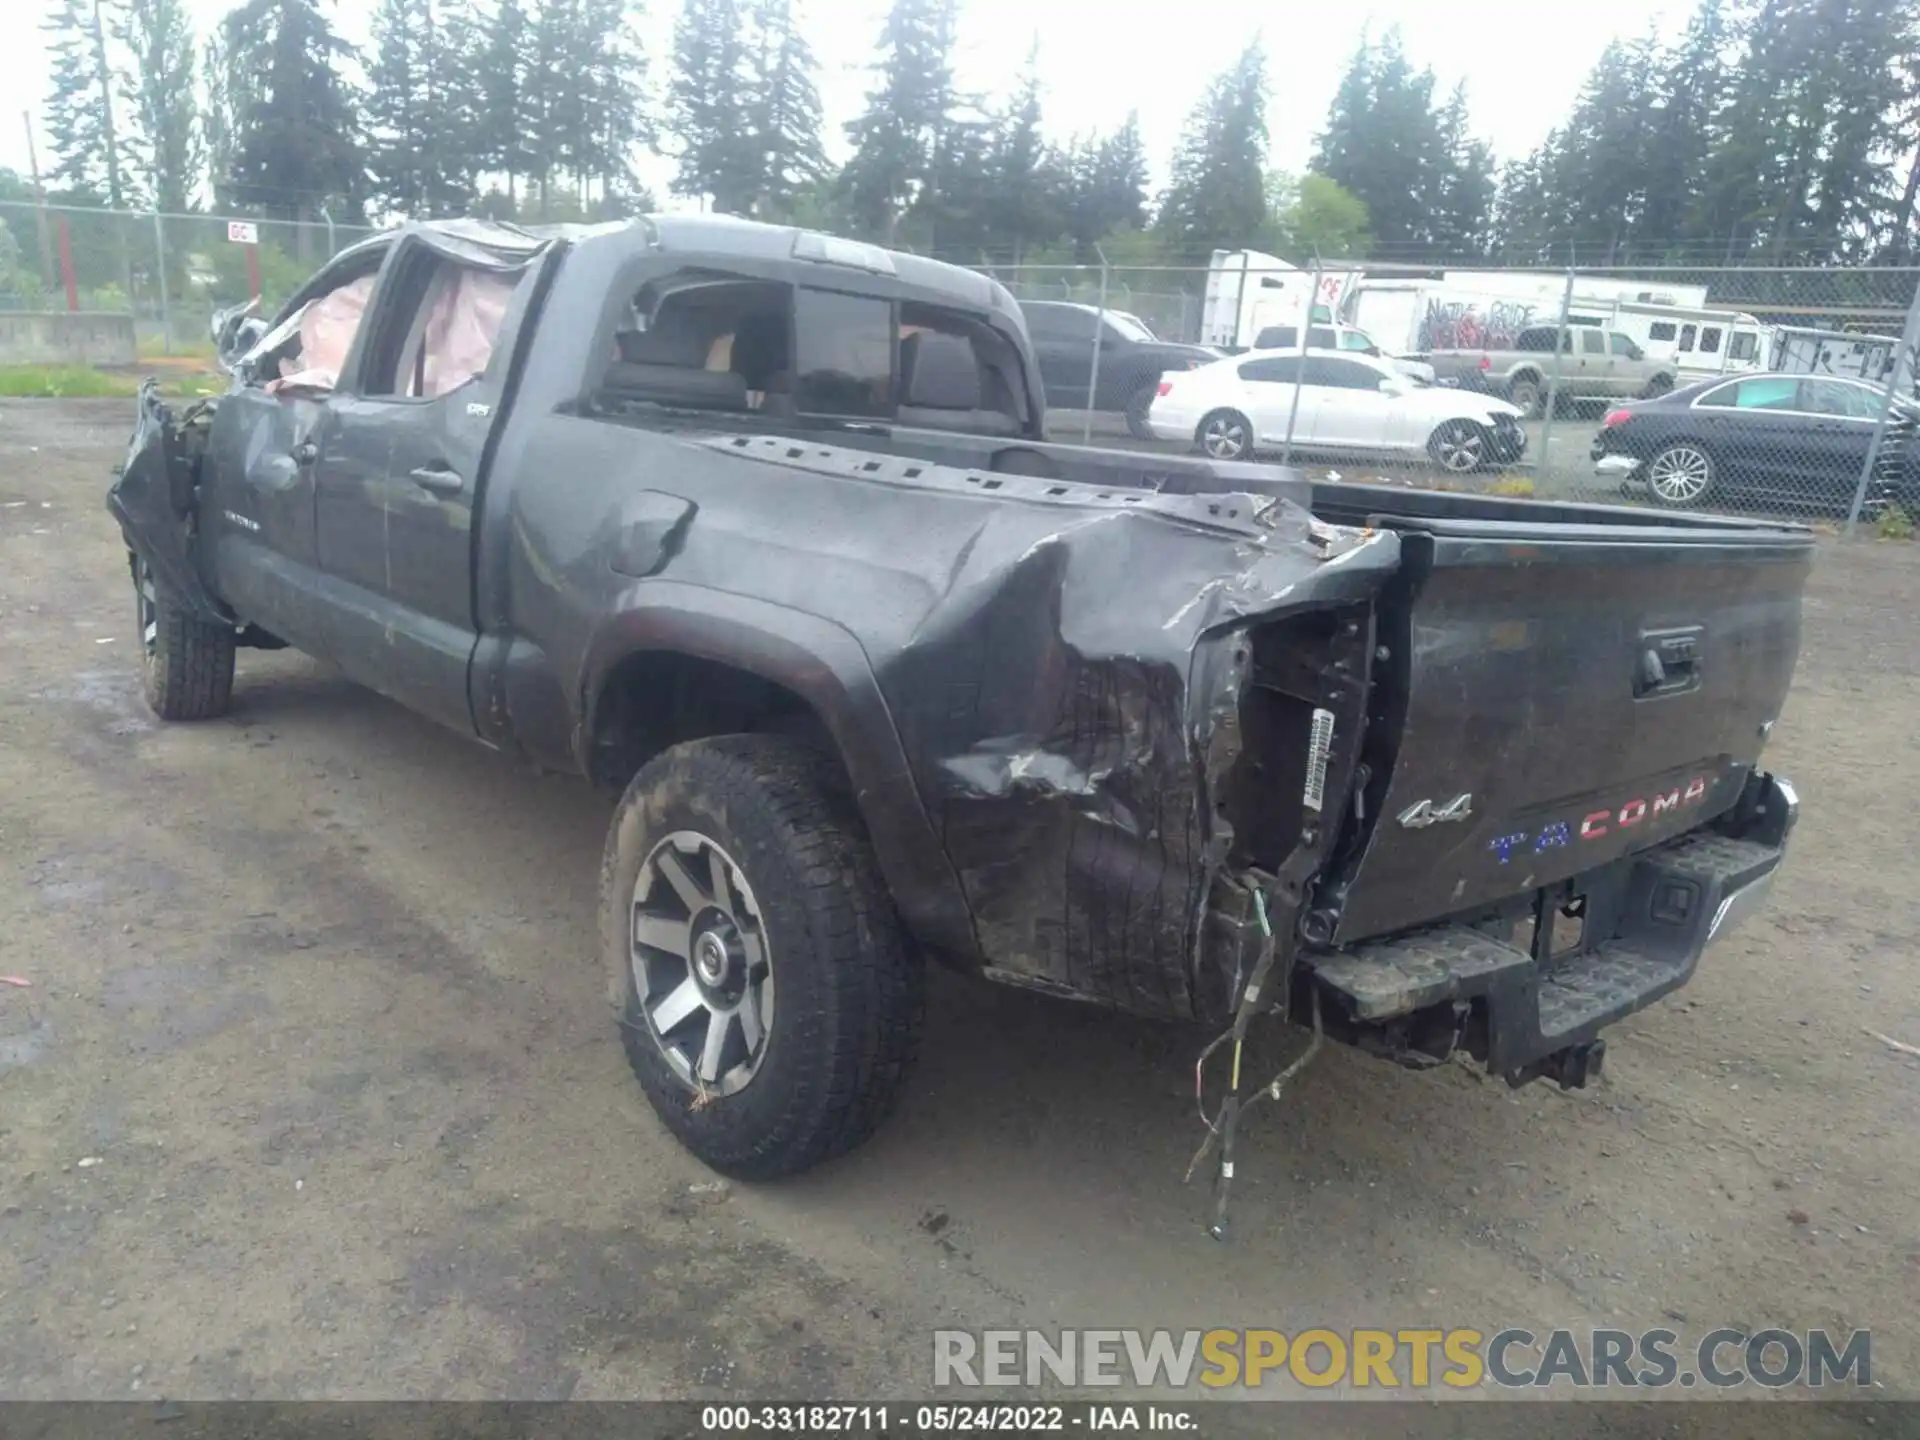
(1468, 325)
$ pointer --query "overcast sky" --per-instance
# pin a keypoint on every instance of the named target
(1523, 61)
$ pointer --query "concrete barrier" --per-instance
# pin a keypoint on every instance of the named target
(59, 337)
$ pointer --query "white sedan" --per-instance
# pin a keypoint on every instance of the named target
(1236, 407)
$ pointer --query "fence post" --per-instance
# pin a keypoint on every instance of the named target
(1239, 300)
(160, 272)
(1906, 360)
(66, 264)
(1300, 376)
(327, 216)
(1099, 329)
(1561, 337)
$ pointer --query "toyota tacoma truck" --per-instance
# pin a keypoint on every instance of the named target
(757, 529)
(1596, 364)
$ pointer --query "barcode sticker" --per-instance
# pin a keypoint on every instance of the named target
(1318, 747)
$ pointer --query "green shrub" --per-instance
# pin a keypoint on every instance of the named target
(1894, 524)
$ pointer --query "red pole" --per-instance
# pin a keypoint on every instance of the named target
(253, 269)
(66, 266)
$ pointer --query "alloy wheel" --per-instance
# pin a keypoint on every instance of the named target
(1460, 448)
(146, 606)
(701, 964)
(1224, 437)
(1680, 474)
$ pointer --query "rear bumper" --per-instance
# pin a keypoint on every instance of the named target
(1418, 996)
(1620, 467)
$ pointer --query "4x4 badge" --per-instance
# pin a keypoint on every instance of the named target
(1418, 817)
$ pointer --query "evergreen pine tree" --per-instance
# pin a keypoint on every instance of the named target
(163, 120)
(784, 109)
(80, 113)
(297, 146)
(908, 121)
(1217, 198)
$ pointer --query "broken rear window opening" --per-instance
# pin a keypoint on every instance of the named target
(710, 340)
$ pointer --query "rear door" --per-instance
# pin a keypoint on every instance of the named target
(1269, 385)
(1062, 339)
(1593, 362)
(1528, 737)
(1757, 434)
(1349, 410)
(398, 472)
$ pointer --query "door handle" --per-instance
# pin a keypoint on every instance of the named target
(438, 479)
(305, 453)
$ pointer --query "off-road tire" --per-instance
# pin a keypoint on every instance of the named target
(1529, 393)
(1138, 403)
(186, 664)
(850, 991)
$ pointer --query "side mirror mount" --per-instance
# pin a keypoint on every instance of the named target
(235, 331)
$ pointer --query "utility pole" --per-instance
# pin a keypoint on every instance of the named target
(40, 208)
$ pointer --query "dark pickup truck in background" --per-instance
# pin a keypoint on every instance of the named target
(1070, 340)
(757, 530)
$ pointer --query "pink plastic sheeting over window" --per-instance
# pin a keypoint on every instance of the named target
(461, 329)
(327, 328)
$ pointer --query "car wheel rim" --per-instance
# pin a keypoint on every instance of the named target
(1461, 449)
(1224, 439)
(1680, 473)
(701, 964)
(146, 607)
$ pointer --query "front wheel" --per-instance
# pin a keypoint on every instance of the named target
(768, 1001)
(1225, 435)
(1460, 446)
(1138, 404)
(1680, 474)
(1656, 387)
(186, 664)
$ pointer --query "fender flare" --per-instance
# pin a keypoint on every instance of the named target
(827, 667)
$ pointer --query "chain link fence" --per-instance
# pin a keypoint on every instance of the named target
(170, 272)
(1784, 391)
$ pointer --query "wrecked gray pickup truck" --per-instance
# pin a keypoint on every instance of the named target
(758, 530)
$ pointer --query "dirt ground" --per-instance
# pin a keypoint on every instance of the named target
(314, 1092)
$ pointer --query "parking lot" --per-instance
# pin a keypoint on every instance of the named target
(313, 1091)
(1566, 473)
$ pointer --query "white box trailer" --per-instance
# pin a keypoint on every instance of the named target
(1247, 291)
(1545, 287)
(1805, 350)
(1699, 342)
(1416, 317)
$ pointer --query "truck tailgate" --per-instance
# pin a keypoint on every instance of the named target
(1556, 696)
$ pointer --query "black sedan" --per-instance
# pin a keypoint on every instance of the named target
(1793, 442)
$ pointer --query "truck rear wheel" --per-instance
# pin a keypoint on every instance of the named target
(768, 1001)
(186, 665)
(1528, 395)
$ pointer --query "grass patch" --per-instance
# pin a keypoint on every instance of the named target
(83, 382)
(1518, 486)
(1894, 524)
(63, 382)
